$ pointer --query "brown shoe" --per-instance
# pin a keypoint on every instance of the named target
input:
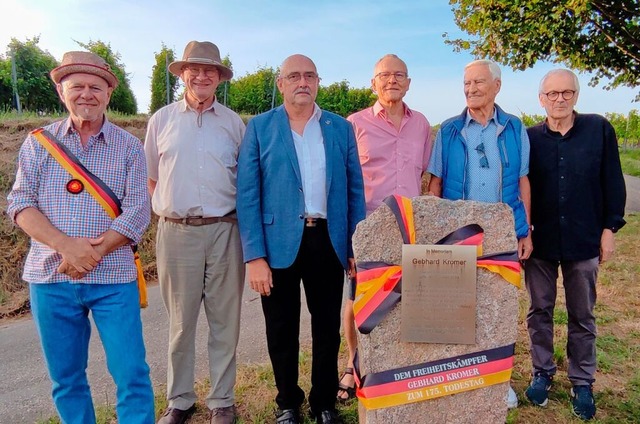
(176, 416)
(226, 415)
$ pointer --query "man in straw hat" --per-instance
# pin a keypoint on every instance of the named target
(80, 259)
(191, 147)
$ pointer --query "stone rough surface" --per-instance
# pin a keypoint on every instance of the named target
(378, 239)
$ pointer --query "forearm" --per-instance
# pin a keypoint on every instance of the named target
(38, 227)
(435, 186)
(112, 240)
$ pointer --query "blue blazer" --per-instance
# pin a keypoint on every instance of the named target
(270, 200)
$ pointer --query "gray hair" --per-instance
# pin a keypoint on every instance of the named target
(493, 68)
(389, 56)
(559, 71)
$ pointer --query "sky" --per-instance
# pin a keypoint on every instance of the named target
(343, 37)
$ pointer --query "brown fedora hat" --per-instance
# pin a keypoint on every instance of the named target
(84, 63)
(201, 53)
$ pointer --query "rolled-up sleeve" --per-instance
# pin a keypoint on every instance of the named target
(136, 208)
(25, 188)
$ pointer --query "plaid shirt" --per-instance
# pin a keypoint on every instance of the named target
(114, 156)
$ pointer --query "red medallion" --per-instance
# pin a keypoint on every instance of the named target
(75, 186)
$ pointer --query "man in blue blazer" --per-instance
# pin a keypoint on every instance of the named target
(300, 196)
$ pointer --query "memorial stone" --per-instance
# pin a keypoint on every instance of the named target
(378, 239)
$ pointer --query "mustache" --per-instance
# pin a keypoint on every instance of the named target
(302, 90)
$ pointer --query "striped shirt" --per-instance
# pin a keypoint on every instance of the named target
(114, 156)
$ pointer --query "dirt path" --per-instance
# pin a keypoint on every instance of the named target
(633, 194)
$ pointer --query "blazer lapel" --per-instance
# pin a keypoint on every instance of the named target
(284, 130)
(328, 135)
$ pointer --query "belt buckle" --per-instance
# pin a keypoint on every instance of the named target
(310, 222)
(193, 221)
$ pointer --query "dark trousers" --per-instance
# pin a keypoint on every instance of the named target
(322, 275)
(579, 280)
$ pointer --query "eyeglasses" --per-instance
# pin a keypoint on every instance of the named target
(297, 76)
(566, 94)
(195, 71)
(484, 162)
(385, 76)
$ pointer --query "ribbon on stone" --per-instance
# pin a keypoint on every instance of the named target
(379, 284)
(434, 379)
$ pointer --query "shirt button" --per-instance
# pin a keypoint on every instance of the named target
(301, 216)
(562, 177)
(300, 189)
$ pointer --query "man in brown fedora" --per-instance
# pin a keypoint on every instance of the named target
(191, 147)
(80, 259)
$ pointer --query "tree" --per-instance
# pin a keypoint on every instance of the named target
(122, 99)
(222, 92)
(6, 90)
(339, 98)
(36, 89)
(159, 80)
(600, 36)
(253, 93)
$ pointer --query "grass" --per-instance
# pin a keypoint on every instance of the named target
(618, 316)
(630, 160)
(617, 387)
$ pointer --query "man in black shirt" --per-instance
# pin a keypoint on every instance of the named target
(577, 204)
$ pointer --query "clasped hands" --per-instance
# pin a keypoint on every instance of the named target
(80, 256)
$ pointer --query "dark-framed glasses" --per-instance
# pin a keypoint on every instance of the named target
(297, 76)
(385, 76)
(484, 162)
(566, 94)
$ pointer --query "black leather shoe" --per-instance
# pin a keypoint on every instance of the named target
(330, 416)
(288, 416)
(176, 416)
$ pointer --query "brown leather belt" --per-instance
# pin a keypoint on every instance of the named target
(314, 222)
(197, 221)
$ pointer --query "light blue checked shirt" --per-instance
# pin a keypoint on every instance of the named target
(114, 156)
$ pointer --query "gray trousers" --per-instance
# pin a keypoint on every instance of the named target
(201, 265)
(579, 280)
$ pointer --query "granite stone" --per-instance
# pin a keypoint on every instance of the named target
(378, 239)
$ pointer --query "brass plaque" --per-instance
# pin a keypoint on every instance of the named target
(438, 294)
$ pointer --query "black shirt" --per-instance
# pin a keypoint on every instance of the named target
(577, 188)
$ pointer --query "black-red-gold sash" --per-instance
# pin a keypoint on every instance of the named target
(95, 186)
(430, 380)
(378, 285)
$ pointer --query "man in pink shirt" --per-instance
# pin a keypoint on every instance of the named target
(394, 145)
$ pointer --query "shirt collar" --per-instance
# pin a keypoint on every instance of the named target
(493, 118)
(100, 136)
(378, 109)
(317, 112)
(184, 106)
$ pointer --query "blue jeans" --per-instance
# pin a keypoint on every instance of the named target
(61, 314)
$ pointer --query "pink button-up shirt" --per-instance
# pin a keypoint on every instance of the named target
(392, 160)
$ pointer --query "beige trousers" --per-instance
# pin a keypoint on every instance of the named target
(201, 265)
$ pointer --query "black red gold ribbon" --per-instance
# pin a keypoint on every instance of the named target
(430, 380)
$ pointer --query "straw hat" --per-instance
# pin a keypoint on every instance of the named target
(84, 63)
(201, 53)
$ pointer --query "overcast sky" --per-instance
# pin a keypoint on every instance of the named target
(344, 38)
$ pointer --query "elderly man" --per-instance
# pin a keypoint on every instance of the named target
(578, 199)
(394, 143)
(80, 260)
(483, 155)
(191, 149)
(300, 196)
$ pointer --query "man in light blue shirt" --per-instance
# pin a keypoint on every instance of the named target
(483, 155)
